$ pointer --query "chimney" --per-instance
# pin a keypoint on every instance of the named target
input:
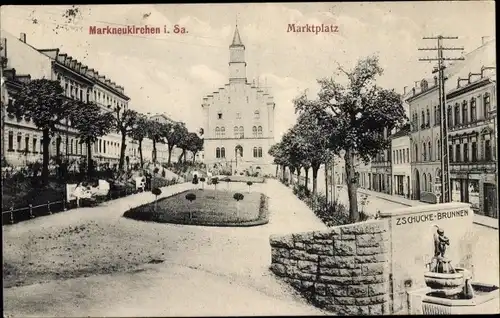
(435, 80)
(484, 39)
(22, 37)
(404, 90)
(416, 84)
(413, 90)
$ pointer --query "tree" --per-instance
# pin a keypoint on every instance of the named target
(139, 132)
(356, 117)
(125, 121)
(174, 133)
(276, 151)
(184, 144)
(42, 100)
(195, 144)
(91, 123)
(156, 133)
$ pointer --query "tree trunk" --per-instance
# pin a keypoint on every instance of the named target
(277, 170)
(194, 156)
(46, 156)
(292, 171)
(283, 172)
(154, 151)
(326, 182)
(90, 166)
(351, 186)
(315, 179)
(298, 176)
(185, 156)
(140, 153)
(169, 153)
(122, 152)
(307, 177)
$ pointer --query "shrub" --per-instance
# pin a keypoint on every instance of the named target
(227, 179)
(156, 170)
(195, 179)
(163, 173)
(215, 180)
(156, 191)
(202, 179)
(238, 196)
(190, 197)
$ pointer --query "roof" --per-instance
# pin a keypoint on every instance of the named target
(483, 56)
(236, 38)
(404, 131)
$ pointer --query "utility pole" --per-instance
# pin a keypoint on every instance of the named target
(444, 188)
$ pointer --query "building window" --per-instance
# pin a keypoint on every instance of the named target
(223, 152)
(104, 146)
(58, 145)
(424, 151)
(34, 144)
(217, 152)
(217, 132)
(473, 114)
(464, 112)
(223, 132)
(255, 152)
(11, 141)
(416, 153)
(438, 148)
(457, 114)
(219, 115)
(487, 150)
(26, 143)
(238, 115)
(71, 146)
(437, 116)
(486, 105)
(450, 153)
(450, 119)
(430, 150)
(87, 96)
(81, 149)
(474, 151)
(466, 152)
(423, 119)
(259, 153)
(256, 114)
(19, 138)
(428, 118)
(236, 132)
(229, 100)
(76, 146)
(100, 145)
(81, 94)
(457, 153)
(259, 131)
(242, 132)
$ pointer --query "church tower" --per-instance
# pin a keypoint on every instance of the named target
(237, 64)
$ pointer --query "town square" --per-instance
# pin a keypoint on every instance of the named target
(211, 160)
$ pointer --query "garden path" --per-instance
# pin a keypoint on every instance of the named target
(205, 271)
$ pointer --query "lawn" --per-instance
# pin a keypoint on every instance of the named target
(210, 208)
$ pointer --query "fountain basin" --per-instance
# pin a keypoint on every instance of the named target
(445, 283)
(485, 301)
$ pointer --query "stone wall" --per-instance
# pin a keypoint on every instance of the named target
(343, 269)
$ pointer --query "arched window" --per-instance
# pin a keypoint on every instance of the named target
(58, 145)
(450, 118)
(473, 114)
(457, 114)
(255, 152)
(259, 131)
(466, 152)
(465, 114)
(223, 132)
(408, 154)
(236, 132)
(424, 151)
(223, 152)
(424, 85)
(423, 118)
(217, 152)
(416, 153)
(217, 132)
(450, 153)
(71, 146)
(428, 118)
(254, 131)
(438, 148)
(256, 114)
(430, 150)
(457, 153)
(242, 132)
(424, 182)
(486, 105)
(429, 180)
(260, 152)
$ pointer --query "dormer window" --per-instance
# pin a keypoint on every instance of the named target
(219, 115)
(256, 114)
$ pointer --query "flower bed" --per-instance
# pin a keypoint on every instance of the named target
(209, 208)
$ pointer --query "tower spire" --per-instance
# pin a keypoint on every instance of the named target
(236, 37)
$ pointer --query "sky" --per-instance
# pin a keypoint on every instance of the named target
(170, 73)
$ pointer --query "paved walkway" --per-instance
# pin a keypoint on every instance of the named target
(206, 270)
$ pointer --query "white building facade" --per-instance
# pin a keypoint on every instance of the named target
(238, 120)
(401, 166)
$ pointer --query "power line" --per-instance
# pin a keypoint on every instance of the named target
(445, 160)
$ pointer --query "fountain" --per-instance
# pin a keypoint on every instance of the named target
(452, 288)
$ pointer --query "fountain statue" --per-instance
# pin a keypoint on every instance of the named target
(444, 279)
